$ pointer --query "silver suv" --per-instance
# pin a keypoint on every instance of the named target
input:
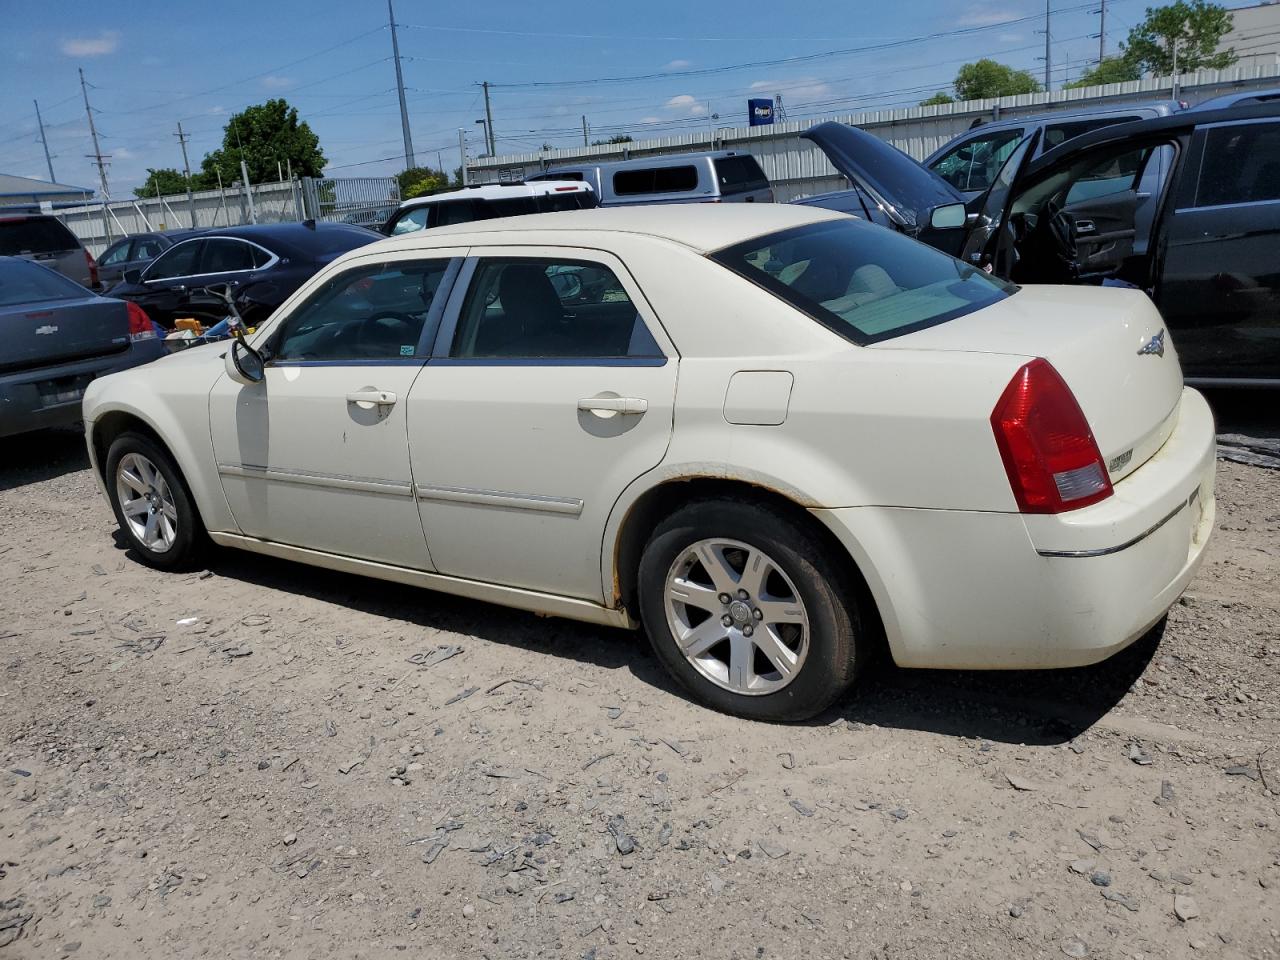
(47, 241)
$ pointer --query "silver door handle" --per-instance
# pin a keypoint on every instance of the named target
(1085, 226)
(609, 406)
(383, 398)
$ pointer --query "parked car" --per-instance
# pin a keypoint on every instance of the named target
(720, 177)
(46, 240)
(1240, 98)
(135, 252)
(429, 410)
(264, 263)
(58, 336)
(487, 201)
(970, 161)
(1206, 255)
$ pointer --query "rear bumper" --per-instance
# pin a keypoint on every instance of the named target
(959, 589)
(29, 399)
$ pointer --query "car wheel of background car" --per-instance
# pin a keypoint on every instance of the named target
(152, 503)
(749, 610)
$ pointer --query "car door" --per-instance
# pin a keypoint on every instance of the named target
(316, 454)
(543, 401)
(165, 283)
(972, 164)
(227, 260)
(1219, 290)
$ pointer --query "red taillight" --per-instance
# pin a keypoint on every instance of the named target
(140, 325)
(93, 270)
(1046, 444)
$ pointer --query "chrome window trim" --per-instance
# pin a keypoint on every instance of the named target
(334, 481)
(221, 273)
(1227, 206)
(500, 498)
(1107, 551)
(548, 361)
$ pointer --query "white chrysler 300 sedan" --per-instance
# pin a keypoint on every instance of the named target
(777, 437)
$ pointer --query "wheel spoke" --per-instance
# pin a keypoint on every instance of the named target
(741, 653)
(696, 595)
(168, 530)
(755, 573)
(135, 508)
(698, 640)
(722, 575)
(149, 532)
(781, 656)
(134, 480)
(781, 611)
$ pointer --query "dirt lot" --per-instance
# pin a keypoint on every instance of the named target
(246, 762)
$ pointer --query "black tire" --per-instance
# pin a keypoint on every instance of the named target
(190, 541)
(837, 644)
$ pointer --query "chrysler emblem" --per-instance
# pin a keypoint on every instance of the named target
(46, 330)
(1154, 345)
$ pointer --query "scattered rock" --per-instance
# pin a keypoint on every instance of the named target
(468, 911)
(290, 839)
(801, 809)
(1243, 770)
(1083, 867)
(1119, 898)
(772, 850)
(788, 761)
(1185, 908)
(1015, 910)
(1021, 783)
(1075, 948)
(1138, 755)
(1100, 878)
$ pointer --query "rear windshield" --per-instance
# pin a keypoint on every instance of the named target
(864, 282)
(23, 282)
(34, 235)
(740, 174)
(656, 180)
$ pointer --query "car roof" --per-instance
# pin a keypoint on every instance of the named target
(1178, 122)
(662, 160)
(293, 232)
(494, 191)
(1236, 96)
(703, 227)
(1173, 106)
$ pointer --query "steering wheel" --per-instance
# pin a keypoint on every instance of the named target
(371, 333)
(1047, 251)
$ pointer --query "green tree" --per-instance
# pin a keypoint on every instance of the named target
(938, 99)
(1193, 28)
(986, 78)
(616, 138)
(164, 182)
(420, 181)
(269, 137)
(1110, 70)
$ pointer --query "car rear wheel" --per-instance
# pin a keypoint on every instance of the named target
(749, 610)
(152, 504)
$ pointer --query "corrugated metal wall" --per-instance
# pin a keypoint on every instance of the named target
(798, 168)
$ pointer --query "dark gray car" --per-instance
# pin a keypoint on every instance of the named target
(56, 336)
(46, 240)
(135, 252)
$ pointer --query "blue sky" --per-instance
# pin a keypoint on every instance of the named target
(164, 62)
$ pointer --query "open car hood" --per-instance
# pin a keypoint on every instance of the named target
(907, 190)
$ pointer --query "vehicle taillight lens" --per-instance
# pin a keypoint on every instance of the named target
(1048, 450)
(93, 270)
(140, 325)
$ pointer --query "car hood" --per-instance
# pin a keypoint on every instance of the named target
(905, 188)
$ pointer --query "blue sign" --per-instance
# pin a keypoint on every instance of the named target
(759, 112)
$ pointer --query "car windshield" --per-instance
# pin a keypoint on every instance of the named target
(865, 282)
(22, 282)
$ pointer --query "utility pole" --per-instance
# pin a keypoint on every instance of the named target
(462, 154)
(47, 159)
(404, 109)
(1175, 68)
(1102, 30)
(488, 115)
(1048, 52)
(186, 169)
(585, 135)
(248, 191)
(98, 158)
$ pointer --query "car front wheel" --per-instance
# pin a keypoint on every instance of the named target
(750, 610)
(152, 504)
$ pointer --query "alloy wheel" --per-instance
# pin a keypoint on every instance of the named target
(146, 502)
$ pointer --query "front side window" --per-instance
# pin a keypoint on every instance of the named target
(226, 256)
(116, 254)
(147, 248)
(545, 308)
(454, 211)
(1062, 131)
(178, 261)
(1241, 165)
(376, 312)
(411, 221)
(972, 165)
(865, 283)
(681, 179)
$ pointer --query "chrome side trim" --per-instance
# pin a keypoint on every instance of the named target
(1107, 551)
(1241, 382)
(334, 481)
(500, 498)
(548, 604)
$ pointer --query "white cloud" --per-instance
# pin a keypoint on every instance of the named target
(801, 88)
(685, 103)
(216, 111)
(1011, 37)
(104, 43)
(273, 82)
(985, 18)
(650, 119)
(678, 65)
(122, 153)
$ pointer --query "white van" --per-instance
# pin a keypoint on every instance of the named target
(487, 201)
(719, 177)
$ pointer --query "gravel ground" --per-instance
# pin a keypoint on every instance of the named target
(256, 761)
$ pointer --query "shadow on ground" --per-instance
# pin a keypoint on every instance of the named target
(1030, 707)
(44, 455)
(1252, 413)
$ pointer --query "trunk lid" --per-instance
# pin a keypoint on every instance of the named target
(42, 334)
(1109, 345)
(904, 187)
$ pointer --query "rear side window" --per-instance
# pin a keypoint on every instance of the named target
(411, 221)
(656, 180)
(118, 253)
(1056, 133)
(739, 174)
(147, 248)
(862, 282)
(24, 282)
(178, 261)
(453, 211)
(504, 207)
(972, 165)
(577, 200)
(35, 235)
(226, 256)
(1241, 165)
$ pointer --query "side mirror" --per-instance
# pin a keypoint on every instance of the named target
(948, 216)
(132, 276)
(244, 364)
